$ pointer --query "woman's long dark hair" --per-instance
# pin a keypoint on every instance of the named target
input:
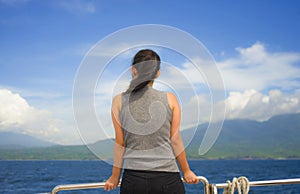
(147, 64)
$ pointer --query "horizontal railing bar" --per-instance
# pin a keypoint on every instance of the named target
(200, 178)
(101, 185)
(264, 183)
(79, 186)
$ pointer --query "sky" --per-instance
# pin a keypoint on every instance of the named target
(255, 46)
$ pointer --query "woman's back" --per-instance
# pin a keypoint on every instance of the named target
(146, 117)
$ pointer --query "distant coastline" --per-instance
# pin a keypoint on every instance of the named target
(83, 153)
(275, 139)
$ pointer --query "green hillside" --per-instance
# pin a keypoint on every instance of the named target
(276, 138)
(48, 153)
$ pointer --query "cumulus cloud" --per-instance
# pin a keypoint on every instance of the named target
(256, 68)
(252, 104)
(17, 115)
(249, 104)
(256, 80)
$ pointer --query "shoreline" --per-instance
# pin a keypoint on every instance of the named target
(192, 159)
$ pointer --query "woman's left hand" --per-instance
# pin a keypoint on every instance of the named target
(111, 183)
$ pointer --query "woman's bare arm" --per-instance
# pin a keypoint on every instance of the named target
(113, 181)
(176, 141)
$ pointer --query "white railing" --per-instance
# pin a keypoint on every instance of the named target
(101, 185)
(208, 188)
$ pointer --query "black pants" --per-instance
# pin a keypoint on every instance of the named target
(151, 182)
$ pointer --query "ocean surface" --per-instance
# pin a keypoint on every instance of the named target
(42, 176)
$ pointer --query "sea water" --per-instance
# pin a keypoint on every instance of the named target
(42, 176)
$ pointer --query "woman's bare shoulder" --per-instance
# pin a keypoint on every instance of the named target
(117, 97)
(117, 101)
(172, 99)
(171, 96)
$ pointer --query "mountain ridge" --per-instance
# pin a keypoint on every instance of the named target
(18, 140)
(275, 138)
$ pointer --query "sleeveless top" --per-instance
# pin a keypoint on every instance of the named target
(146, 119)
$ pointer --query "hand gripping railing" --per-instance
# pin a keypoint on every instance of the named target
(101, 185)
(208, 188)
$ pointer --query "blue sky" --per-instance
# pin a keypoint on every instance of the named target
(256, 46)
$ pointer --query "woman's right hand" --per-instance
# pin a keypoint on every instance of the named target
(190, 178)
(111, 183)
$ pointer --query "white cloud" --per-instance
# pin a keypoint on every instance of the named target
(249, 104)
(16, 114)
(256, 68)
(252, 104)
(193, 74)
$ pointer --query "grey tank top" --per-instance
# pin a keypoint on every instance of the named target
(146, 118)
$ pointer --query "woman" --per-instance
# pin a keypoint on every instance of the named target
(147, 137)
